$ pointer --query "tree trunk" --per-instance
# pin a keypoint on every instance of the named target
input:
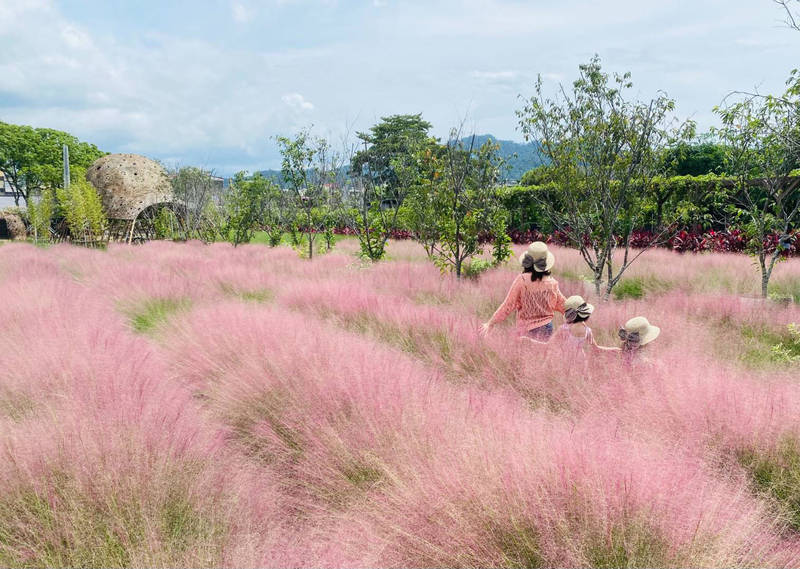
(598, 281)
(764, 274)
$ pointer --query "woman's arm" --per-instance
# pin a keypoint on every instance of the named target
(509, 305)
(593, 344)
(558, 300)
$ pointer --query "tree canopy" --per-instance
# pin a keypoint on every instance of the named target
(31, 160)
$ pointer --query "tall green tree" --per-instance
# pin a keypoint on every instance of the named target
(395, 138)
(310, 169)
(603, 151)
(31, 158)
(378, 172)
(762, 138)
(455, 201)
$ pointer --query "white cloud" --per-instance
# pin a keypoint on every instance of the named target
(555, 77)
(297, 102)
(495, 75)
(241, 13)
(213, 92)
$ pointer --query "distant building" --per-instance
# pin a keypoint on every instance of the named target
(5, 186)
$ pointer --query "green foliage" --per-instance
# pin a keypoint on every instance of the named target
(788, 290)
(166, 224)
(501, 244)
(258, 295)
(40, 215)
(149, 315)
(762, 143)
(393, 140)
(246, 205)
(639, 287)
(776, 473)
(274, 235)
(602, 150)
(82, 209)
(194, 192)
(475, 267)
(788, 351)
(31, 158)
(538, 176)
(701, 158)
(454, 201)
(65, 524)
(519, 544)
(629, 544)
(768, 347)
(629, 288)
(382, 174)
(310, 169)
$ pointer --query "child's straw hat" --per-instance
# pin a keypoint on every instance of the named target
(639, 331)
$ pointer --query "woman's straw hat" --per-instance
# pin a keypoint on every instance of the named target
(639, 331)
(537, 256)
(575, 306)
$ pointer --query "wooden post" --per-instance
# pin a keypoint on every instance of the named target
(130, 235)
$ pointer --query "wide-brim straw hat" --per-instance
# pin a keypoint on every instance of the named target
(538, 252)
(575, 302)
(646, 331)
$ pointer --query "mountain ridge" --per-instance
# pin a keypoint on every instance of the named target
(519, 156)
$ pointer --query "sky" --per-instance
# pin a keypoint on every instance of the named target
(211, 83)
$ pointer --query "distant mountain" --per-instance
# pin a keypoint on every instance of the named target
(521, 157)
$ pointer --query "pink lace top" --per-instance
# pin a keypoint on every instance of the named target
(535, 302)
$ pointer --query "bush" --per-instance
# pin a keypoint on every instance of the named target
(629, 288)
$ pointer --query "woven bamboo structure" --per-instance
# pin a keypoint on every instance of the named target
(130, 187)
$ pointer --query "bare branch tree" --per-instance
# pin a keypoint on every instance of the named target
(792, 17)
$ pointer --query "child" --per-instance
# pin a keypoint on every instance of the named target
(635, 335)
(574, 332)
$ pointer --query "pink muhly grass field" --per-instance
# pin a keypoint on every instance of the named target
(189, 405)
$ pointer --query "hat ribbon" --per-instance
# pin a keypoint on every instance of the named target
(630, 337)
(541, 264)
(571, 314)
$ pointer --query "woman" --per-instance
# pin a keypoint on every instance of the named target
(534, 295)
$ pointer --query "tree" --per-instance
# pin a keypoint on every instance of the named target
(31, 158)
(193, 189)
(603, 152)
(792, 9)
(703, 157)
(246, 205)
(455, 201)
(40, 215)
(309, 167)
(379, 187)
(538, 176)
(82, 209)
(761, 136)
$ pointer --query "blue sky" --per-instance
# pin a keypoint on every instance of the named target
(211, 82)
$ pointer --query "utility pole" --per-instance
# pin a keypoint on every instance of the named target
(65, 158)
